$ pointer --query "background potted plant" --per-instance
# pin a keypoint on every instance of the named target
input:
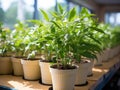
(47, 48)
(105, 42)
(84, 44)
(114, 45)
(44, 41)
(31, 63)
(5, 48)
(18, 47)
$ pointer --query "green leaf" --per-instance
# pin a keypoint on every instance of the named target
(89, 55)
(72, 14)
(56, 24)
(60, 8)
(35, 22)
(97, 29)
(95, 39)
(84, 11)
(45, 15)
(52, 29)
(54, 14)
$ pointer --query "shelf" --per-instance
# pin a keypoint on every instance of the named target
(101, 74)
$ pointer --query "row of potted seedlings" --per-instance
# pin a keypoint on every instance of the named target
(111, 45)
(59, 50)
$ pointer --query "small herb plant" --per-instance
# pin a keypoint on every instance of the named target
(115, 36)
(72, 36)
(17, 38)
(5, 44)
(38, 40)
(85, 43)
(106, 36)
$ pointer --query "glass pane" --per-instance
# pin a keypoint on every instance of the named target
(118, 18)
(112, 18)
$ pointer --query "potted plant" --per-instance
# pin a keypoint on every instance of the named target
(31, 63)
(18, 47)
(115, 41)
(48, 59)
(5, 48)
(31, 68)
(85, 44)
(45, 64)
(45, 41)
(63, 72)
(106, 39)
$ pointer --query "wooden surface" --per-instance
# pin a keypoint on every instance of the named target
(99, 73)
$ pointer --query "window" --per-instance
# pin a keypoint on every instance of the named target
(23, 10)
(112, 18)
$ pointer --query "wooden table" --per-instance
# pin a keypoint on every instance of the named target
(100, 73)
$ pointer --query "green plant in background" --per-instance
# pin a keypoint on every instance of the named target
(2, 14)
(115, 36)
(111, 37)
(105, 37)
(38, 39)
(17, 38)
(5, 44)
(85, 43)
(40, 35)
(32, 42)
